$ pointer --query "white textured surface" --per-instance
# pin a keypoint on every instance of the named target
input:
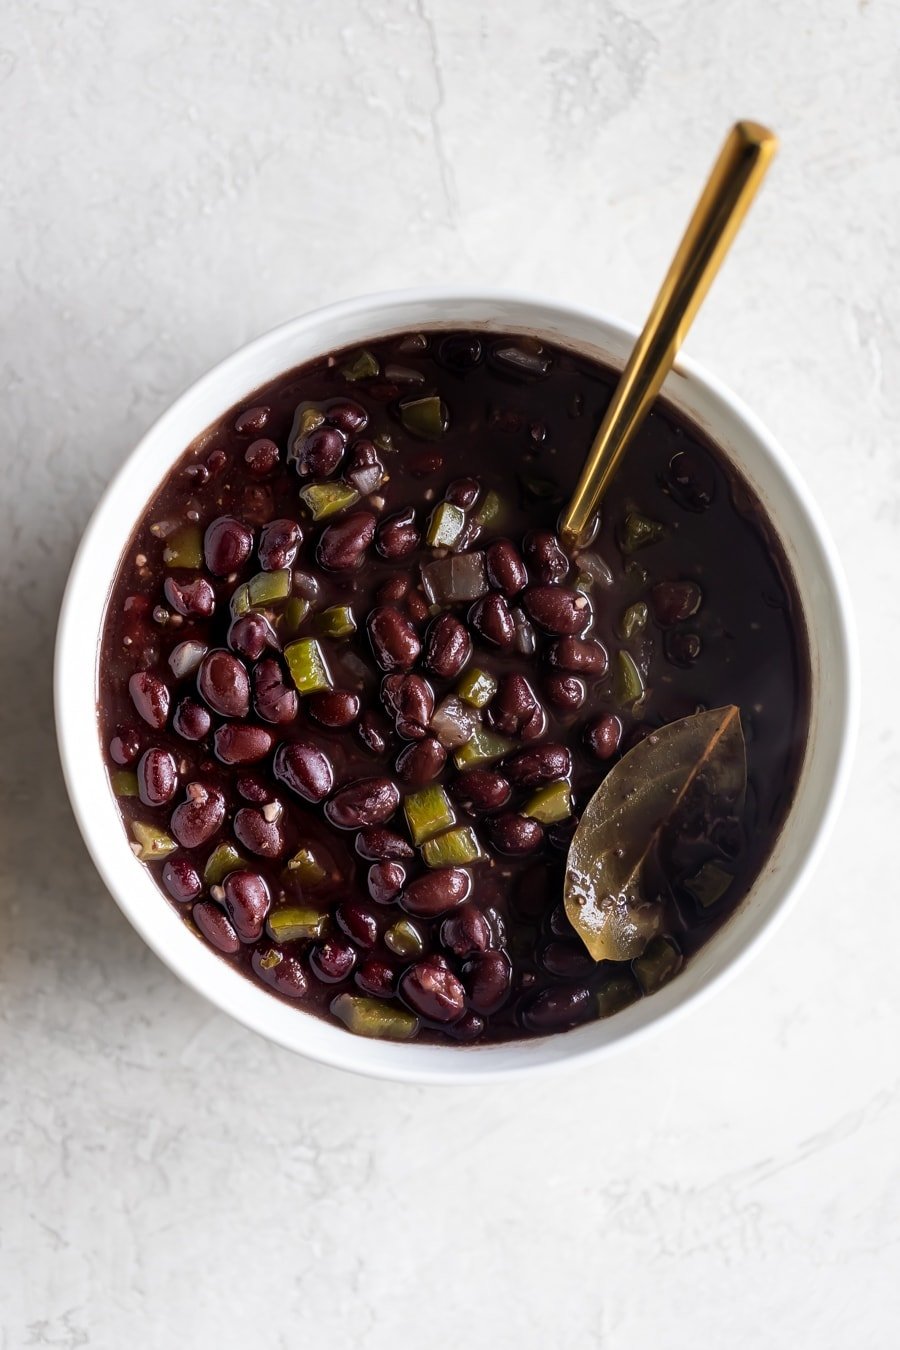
(178, 177)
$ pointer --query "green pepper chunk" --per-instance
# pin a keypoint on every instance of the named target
(326, 499)
(184, 547)
(638, 531)
(296, 923)
(223, 859)
(477, 688)
(308, 871)
(375, 1018)
(489, 509)
(295, 611)
(482, 748)
(550, 804)
(336, 622)
(270, 959)
(633, 620)
(154, 843)
(361, 366)
(266, 588)
(124, 782)
(424, 417)
(309, 420)
(306, 663)
(709, 884)
(616, 994)
(404, 939)
(428, 812)
(629, 687)
(659, 961)
(455, 848)
(445, 526)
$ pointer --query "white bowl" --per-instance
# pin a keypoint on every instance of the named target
(732, 426)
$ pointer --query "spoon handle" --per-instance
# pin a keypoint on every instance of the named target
(729, 190)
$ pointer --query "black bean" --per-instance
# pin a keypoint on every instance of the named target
(604, 735)
(385, 881)
(342, 545)
(463, 492)
(250, 635)
(261, 457)
(432, 990)
(492, 620)
(223, 682)
(257, 833)
(242, 744)
(447, 647)
(683, 649)
(374, 731)
(546, 558)
(488, 980)
(557, 610)
(467, 1029)
(253, 789)
(181, 879)
(567, 960)
(125, 745)
(332, 960)
(421, 762)
(305, 769)
(398, 536)
(376, 844)
(394, 640)
(359, 923)
(376, 977)
(557, 1009)
(368, 801)
(191, 720)
(251, 421)
(578, 656)
(333, 708)
(226, 545)
(198, 818)
(466, 931)
(516, 835)
(481, 790)
(190, 598)
(543, 764)
(157, 777)
(410, 700)
(216, 927)
(150, 698)
(346, 415)
(565, 692)
(273, 700)
(318, 452)
(280, 971)
(437, 892)
(247, 902)
(278, 544)
(505, 568)
(515, 710)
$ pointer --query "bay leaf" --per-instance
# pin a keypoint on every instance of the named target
(695, 766)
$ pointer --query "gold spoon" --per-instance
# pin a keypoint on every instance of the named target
(729, 190)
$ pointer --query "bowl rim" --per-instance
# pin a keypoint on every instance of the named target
(450, 1062)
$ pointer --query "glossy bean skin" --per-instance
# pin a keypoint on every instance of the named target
(150, 697)
(252, 421)
(579, 656)
(448, 647)
(192, 599)
(432, 990)
(358, 922)
(196, 820)
(332, 960)
(488, 981)
(505, 568)
(273, 699)
(558, 1009)
(398, 536)
(421, 763)
(564, 692)
(241, 743)
(227, 545)
(278, 544)
(342, 546)
(216, 927)
(466, 932)
(481, 791)
(410, 700)
(263, 837)
(280, 971)
(557, 610)
(377, 844)
(334, 708)
(544, 764)
(437, 893)
(181, 879)
(246, 903)
(394, 640)
(250, 635)
(368, 801)
(318, 453)
(376, 977)
(191, 720)
(305, 769)
(546, 559)
(492, 621)
(516, 711)
(603, 736)
(516, 835)
(385, 881)
(347, 415)
(157, 777)
(223, 683)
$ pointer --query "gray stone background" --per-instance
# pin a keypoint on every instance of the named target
(179, 177)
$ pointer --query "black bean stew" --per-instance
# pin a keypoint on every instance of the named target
(354, 693)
